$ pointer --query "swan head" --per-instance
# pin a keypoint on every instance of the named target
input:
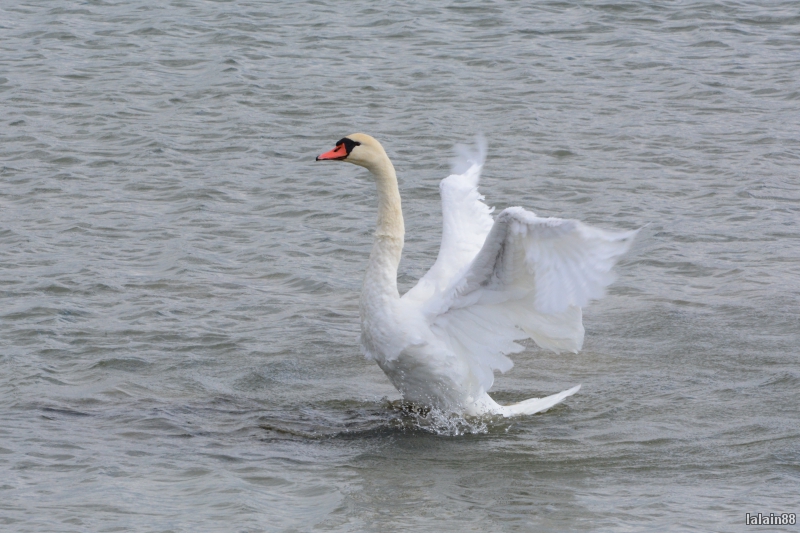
(359, 149)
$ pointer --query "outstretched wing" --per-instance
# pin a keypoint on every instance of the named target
(466, 221)
(529, 280)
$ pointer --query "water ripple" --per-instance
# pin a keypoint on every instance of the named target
(179, 281)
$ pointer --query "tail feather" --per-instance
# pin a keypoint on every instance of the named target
(537, 405)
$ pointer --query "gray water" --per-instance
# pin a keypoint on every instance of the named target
(179, 279)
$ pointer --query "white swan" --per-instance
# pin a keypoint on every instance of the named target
(494, 282)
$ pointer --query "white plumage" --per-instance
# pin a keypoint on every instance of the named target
(494, 282)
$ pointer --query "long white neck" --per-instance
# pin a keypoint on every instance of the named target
(380, 280)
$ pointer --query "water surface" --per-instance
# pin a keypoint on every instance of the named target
(179, 279)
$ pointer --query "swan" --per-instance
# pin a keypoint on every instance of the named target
(494, 282)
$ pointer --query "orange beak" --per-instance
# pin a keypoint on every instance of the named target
(340, 152)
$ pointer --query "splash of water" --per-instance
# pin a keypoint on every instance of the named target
(436, 421)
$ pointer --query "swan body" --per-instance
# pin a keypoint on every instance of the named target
(494, 282)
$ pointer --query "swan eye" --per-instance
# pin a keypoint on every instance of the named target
(349, 144)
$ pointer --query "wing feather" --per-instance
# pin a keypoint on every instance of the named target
(466, 221)
(496, 282)
(529, 280)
